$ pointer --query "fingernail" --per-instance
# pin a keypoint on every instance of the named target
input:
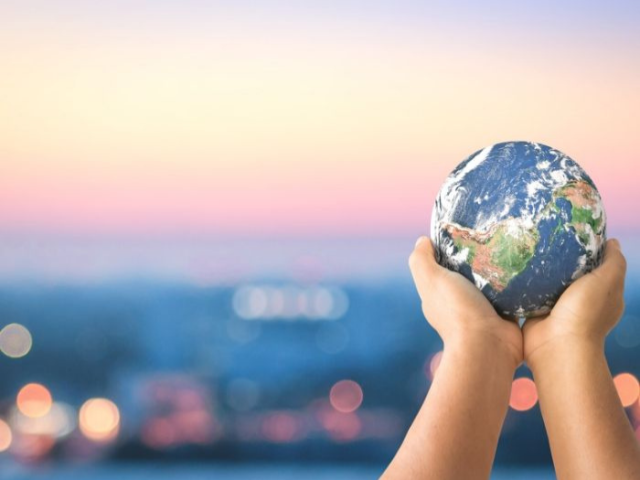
(421, 239)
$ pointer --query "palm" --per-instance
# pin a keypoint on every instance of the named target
(457, 296)
(456, 308)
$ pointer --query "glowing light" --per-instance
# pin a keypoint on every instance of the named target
(340, 304)
(5, 436)
(294, 299)
(15, 340)
(321, 303)
(158, 433)
(58, 422)
(627, 387)
(99, 419)
(281, 427)
(289, 302)
(276, 302)
(342, 427)
(195, 426)
(250, 302)
(31, 448)
(346, 396)
(34, 400)
(179, 427)
(524, 394)
(433, 364)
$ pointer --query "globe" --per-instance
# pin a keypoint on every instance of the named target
(522, 221)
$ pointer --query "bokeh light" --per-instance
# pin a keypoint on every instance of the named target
(5, 436)
(524, 394)
(627, 387)
(15, 340)
(281, 427)
(289, 302)
(158, 433)
(342, 427)
(346, 396)
(58, 422)
(31, 448)
(99, 419)
(34, 400)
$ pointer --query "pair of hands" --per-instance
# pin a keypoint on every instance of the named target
(455, 434)
(588, 309)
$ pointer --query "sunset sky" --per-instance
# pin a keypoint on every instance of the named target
(298, 119)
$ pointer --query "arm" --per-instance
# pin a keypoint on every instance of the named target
(589, 433)
(455, 433)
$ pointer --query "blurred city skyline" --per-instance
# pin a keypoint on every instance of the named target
(218, 261)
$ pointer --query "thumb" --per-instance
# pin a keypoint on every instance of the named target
(424, 268)
(613, 268)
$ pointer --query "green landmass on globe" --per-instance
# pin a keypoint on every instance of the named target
(522, 221)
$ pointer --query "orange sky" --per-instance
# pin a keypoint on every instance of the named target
(321, 126)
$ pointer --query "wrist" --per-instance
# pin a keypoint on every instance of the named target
(474, 346)
(563, 350)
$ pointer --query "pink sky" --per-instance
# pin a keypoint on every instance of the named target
(337, 126)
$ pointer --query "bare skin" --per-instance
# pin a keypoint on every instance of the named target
(589, 433)
(456, 431)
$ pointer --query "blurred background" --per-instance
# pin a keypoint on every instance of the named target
(206, 211)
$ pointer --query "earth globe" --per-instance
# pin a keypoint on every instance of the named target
(522, 221)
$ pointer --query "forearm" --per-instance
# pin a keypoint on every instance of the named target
(589, 433)
(456, 431)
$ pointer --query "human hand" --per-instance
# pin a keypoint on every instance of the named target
(586, 312)
(457, 309)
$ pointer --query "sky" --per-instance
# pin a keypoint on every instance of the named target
(170, 119)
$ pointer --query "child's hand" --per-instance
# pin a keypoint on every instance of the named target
(457, 310)
(585, 312)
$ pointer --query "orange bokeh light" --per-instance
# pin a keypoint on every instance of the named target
(627, 387)
(524, 394)
(99, 419)
(346, 396)
(34, 400)
(5, 436)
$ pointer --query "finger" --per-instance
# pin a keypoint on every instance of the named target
(424, 267)
(614, 265)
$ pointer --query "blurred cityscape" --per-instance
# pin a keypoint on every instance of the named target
(267, 370)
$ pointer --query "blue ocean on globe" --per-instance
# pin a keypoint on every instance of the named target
(522, 221)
